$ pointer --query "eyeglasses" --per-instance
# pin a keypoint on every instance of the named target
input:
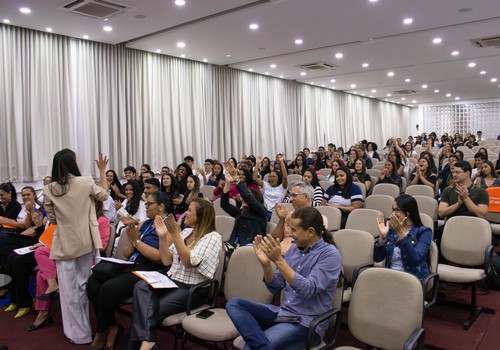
(295, 195)
(147, 204)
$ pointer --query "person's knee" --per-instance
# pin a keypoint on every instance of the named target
(234, 303)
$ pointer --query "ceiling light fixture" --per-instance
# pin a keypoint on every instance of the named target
(373, 91)
(205, 60)
(281, 76)
(457, 98)
(353, 86)
(25, 10)
(250, 69)
(403, 98)
(273, 66)
(181, 44)
(228, 55)
(365, 65)
(455, 53)
(407, 80)
(183, 56)
(85, 36)
(267, 73)
(493, 80)
(448, 95)
(483, 72)
(408, 20)
(298, 41)
(48, 29)
(107, 28)
(413, 101)
(158, 51)
(312, 83)
(436, 91)
(388, 95)
(424, 86)
(472, 64)
(303, 73)
(339, 55)
(437, 40)
(253, 26)
(180, 2)
(390, 74)
(332, 80)
(6, 21)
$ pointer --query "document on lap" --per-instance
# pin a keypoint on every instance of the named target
(116, 261)
(156, 279)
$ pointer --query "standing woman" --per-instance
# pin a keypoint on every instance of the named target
(69, 203)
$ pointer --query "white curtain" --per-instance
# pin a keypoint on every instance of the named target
(138, 107)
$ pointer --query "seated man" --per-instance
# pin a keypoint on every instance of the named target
(308, 273)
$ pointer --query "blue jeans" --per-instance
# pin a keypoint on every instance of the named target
(255, 322)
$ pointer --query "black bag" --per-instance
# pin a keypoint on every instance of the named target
(105, 270)
(493, 279)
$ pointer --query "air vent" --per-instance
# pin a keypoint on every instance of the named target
(492, 41)
(318, 66)
(404, 92)
(95, 8)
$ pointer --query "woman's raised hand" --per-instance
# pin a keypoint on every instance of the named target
(172, 226)
(383, 227)
(102, 162)
(161, 229)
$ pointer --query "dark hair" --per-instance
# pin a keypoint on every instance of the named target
(248, 176)
(63, 165)
(252, 159)
(428, 172)
(34, 193)
(340, 166)
(432, 165)
(147, 166)
(234, 161)
(131, 169)
(148, 172)
(460, 154)
(319, 162)
(267, 169)
(153, 181)
(464, 165)
(305, 148)
(399, 161)
(480, 155)
(208, 160)
(394, 171)
(116, 181)
(280, 176)
(99, 208)
(347, 187)
(257, 194)
(492, 167)
(188, 158)
(221, 174)
(362, 175)
(374, 146)
(133, 203)
(189, 171)
(408, 205)
(9, 188)
(315, 180)
(311, 217)
(303, 157)
(161, 197)
(173, 187)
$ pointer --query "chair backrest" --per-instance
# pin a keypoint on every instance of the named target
(334, 216)
(433, 263)
(428, 206)
(374, 172)
(386, 307)
(362, 187)
(122, 243)
(325, 171)
(465, 240)
(420, 190)
(294, 178)
(355, 247)
(374, 161)
(208, 191)
(427, 221)
(218, 210)
(275, 218)
(404, 183)
(363, 219)
(379, 166)
(270, 227)
(388, 189)
(244, 277)
(111, 241)
(380, 202)
(224, 225)
(325, 184)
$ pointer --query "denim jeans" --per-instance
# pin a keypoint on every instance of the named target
(255, 322)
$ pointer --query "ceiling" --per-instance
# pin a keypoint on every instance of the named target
(364, 31)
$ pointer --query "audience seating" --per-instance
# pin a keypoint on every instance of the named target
(427, 221)
(274, 218)
(420, 190)
(431, 282)
(374, 173)
(494, 220)
(243, 279)
(208, 191)
(363, 219)
(386, 310)
(325, 171)
(224, 225)
(380, 202)
(292, 179)
(362, 187)
(334, 216)
(428, 206)
(218, 210)
(111, 241)
(466, 242)
(387, 189)
(325, 184)
(270, 227)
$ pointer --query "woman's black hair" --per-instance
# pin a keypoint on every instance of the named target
(432, 165)
(9, 188)
(374, 146)
(315, 180)
(394, 171)
(161, 197)
(408, 205)
(399, 161)
(63, 165)
(346, 190)
(248, 176)
(257, 194)
(173, 187)
(189, 171)
(279, 175)
(428, 172)
(234, 161)
(362, 175)
(267, 169)
(147, 166)
(135, 201)
(303, 157)
(221, 174)
(32, 189)
(311, 217)
(319, 162)
(116, 182)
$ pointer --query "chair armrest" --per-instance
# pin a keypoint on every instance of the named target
(415, 340)
(211, 298)
(323, 318)
(488, 259)
(435, 288)
(357, 271)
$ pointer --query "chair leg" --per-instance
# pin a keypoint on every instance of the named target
(475, 310)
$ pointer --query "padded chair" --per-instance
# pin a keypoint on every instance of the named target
(218, 210)
(111, 241)
(428, 206)
(466, 242)
(275, 218)
(208, 191)
(380, 202)
(364, 220)
(292, 178)
(374, 161)
(494, 220)
(224, 225)
(427, 221)
(431, 282)
(356, 250)
(362, 188)
(243, 279)
(378, 166)
(420, 190)
(325, 184)
(325, 172)
(387, 189)
(386, 310)
(270, 227)
(334, 216)
(374, 173)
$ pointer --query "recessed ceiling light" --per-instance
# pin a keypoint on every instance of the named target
(272, 66)
(312, 83)
(493, 80)
(6, 20)
(413, 101)
(362, 94)
(228, 55)
(388, 95)
(181, 44)
(250, 69)
(390, 74)
(339, 55)
(455, 53)
(253, 26)
(448, 95)
(365, 65)
(457, 98)
(298, 41)
(408, 21)
(25, 10)
(332, 80)
(436, 91)
(85, 36)
(483, 72)
(267, 73)
(353, 86)
(403, 98)
(472, 64)
(371, 96)
(48, 29)
(281, 76)
(437, 40)
(158, 51)
(183, 56)
(106, 19)
(205, 60)
(407, 80)
(303, 73)
(180, 2)
(333, 87)
(373, 91)
(354, 92)
(107, 28)
(424, 86)
(373, 0)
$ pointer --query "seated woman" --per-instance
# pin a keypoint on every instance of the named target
(9, 207)
(264, 167)
(193, 191)
(336, 164)
(352, 158)
(276, 188)
(300, 165)
(194, 257)
(317, 162)
(488, 176)
(404, 242)
(395, 157)
(389, 174)
(446, 152)
(105, 295)
(311, 178)
(217, 175)
(169, 185)
(46, 278)
(132, 208)
(371, 150)
(116, 189)
(343, 194)
(181, 174)
(360, 175)
(423, 174)
(251, 220)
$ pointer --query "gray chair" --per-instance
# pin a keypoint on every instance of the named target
(387, 189)
(325, 184)
(208, 191)
(111, 241)
(270, 227)
(364, 220)
(362, 187)
(325, 171)
(224, 225)
(380, 202)
(218, 210)
(428, 206)
(334, 216)
(494, 220)
(420, 190)
(466, 243)
(275, 218)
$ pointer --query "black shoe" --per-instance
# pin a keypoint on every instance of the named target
(34, 327)
(48, 296)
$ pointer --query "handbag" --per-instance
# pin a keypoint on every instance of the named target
(105, 270)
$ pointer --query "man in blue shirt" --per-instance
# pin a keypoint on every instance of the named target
(308, 273)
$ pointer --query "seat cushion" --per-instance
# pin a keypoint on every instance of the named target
(455, 274)
(216, 328)
(239, 344)
(177, 318)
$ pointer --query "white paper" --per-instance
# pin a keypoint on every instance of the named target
(116, 261)
(156, 279)
(25, 250)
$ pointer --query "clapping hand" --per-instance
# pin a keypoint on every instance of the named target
(102, 162)
(398, 226)
(132, 232)
(161, 228)
(383, 227)
(172, 226)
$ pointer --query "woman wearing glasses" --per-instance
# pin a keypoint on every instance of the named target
(105, 295)
(404, 241)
